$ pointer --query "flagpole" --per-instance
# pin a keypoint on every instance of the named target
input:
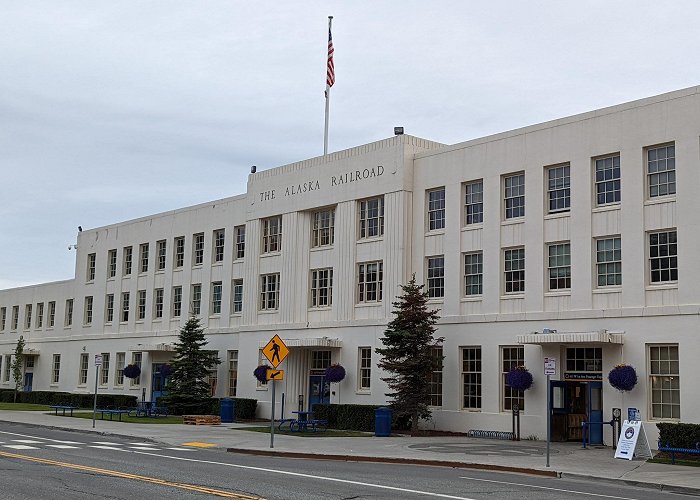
(328, 94)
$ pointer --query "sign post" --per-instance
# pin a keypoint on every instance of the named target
(550, 368)
(98, 364)
(275, 351)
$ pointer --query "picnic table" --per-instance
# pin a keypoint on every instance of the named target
(64, 407)
(304, 422)
(111, 411)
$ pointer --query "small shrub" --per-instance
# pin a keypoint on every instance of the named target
(679, 435)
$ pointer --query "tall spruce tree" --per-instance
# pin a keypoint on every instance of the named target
(18, 365)
(188, 389)
(406, 357)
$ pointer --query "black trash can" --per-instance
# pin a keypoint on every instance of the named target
(228, 410)
(382, 422)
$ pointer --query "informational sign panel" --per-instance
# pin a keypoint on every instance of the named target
(633, 441)
(550, 366)
(275, 351)
(275, 374)
(98, 359)
(633, 414)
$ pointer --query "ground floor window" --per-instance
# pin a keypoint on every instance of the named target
(511, 357)
(212, 380)
(119, 369)
(83, 373)
(436, 377)
(365, 368)
(232, 372)
(55, 372)
(136, 358)
(664, 381)
(471, 378)
(104, 369)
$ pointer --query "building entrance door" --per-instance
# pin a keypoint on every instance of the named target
(28, 380)
(319, 389)
(574, 403)
(159, 383)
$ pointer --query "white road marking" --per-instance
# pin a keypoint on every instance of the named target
(107, 443)
(19, 447)
(43, 439)
(143, 448)
(26, 441)
(66, 442)
(545, 488)
(310, 476)
(103, 447)
(63, 446)
(180, 449)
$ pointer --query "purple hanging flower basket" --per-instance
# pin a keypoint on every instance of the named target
(335, 373)
(166, 370)
(623, 377)
(519, 378)
(132, 371)
(260, 373)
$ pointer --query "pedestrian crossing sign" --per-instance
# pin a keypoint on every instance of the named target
(275, 351)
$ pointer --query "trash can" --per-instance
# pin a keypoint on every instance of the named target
(228, 410)
(382, 422)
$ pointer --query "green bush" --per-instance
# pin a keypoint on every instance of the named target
(80, 400)
(353, 417)
(679, 435)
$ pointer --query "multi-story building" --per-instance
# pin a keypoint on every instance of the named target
(568, 240)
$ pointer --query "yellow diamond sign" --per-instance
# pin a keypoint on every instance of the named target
(275, 351)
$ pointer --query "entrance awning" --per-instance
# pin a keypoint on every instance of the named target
(152, 347)
(31, 352)
(599, 337)
(309, 342)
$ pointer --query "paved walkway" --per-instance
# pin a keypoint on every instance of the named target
(566, 459)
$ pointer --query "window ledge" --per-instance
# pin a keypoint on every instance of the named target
(87, 325)
(610, 289)
(662, 286)
(215, 316)
(473, 227)
(369, 304)
(237, 314)
(436, 300)
(471, 410)
(270, 254)
(513, 296)
(268, 311)
(321, 248)
(217, 264)
(435, 232)
(513, 220)
(238, 260)
(472, 298)
(558, 293)
(363, 392)
(671, 198)
(160, 271)
(370, 239)
(607, 208)
(157, 320)
(321, 308)
(557, 215)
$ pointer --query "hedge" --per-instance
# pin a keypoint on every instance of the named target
(245, 407)
(679, 435)
(80, 400)
(353, 417)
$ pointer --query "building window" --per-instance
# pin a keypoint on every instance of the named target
(237, 296)
(125, 307)
(109, 308)
(436, 377)
(55, 370)
(158, 302)
(112, 263)
(196, 300)
(119, 369)
(664, 381)
(27, 316)
(141, 311)
(436, 209)
(514, 196)
(104, 369)
(607, 180)
(272, 234)
(136, 360)
(269, 292)
(369, 282)
(436, 276)
(559, 189)
(511, 357)
(52, 314)
(371, 217)
(212, 381)
(320, 360)
(239, 235)
(8, 366)
(323, 232)
(232, 373)
(15, 318)
(162, 247)
(609, 261)
(177, 301)
(471, 378)
(663, 257)
(39, 315)
(91, 260)
(69, 313)
(661, 171)
(197, 249)
(364, 381)
(219, 240)
(143, 258)
(473, 202)
(87, 318)
(128, 258)
(473, 273)
(514, 270)
(179, 252)
(559, 266)
(83, 369)
(216, 291)
(321, 287)
(3, 318)
(584, 359)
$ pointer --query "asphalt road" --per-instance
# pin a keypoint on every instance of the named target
(40, 463)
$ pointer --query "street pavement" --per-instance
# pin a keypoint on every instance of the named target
(566, 459)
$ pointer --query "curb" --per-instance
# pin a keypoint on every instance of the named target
(666, 488)
(80, 431)
(405, 461)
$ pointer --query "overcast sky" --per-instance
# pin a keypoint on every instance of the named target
(113, 110)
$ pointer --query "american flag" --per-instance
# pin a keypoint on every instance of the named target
(330, 69)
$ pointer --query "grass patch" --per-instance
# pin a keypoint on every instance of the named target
(692, 462)
(310, 434)
(171, 419)
(23, 407)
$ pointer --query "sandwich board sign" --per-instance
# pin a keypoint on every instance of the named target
(633, 441)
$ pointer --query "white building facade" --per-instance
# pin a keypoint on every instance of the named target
(570, 240)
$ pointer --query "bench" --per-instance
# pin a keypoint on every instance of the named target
(112, 411)
(673, 450)
(303, 425)
(63, 407)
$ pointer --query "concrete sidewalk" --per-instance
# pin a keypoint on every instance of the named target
(566, 459)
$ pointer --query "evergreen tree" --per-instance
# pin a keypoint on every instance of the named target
(188, 390)
(18, 365)
(406, 357)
